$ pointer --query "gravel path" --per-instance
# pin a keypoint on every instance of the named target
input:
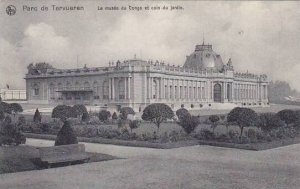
(188, 167)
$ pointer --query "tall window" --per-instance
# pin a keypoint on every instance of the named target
(105, 90)
(36, 90)
(51, 91)
(217, 93)
(154, 89)
(96, 90)
(121, 88)
(87, 85)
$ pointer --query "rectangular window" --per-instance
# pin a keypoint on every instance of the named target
(36, 92)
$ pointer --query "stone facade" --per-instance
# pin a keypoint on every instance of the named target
(203, 82)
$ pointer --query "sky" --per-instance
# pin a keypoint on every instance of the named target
(260, 37)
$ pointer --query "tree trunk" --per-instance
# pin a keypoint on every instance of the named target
(242, 128)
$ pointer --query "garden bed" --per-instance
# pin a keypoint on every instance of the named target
(21, 158)
(133, 143)
(169, 145)
(254, 146)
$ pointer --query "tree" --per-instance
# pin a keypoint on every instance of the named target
(269, 121)
(37, 118)
(288, 116)
(188, 122)
(214, 121)
(114, 116)
(133, 124)
(125, 111)
(104, 115)
(2, 116)
(79, 110)
(5, 107)
(157, 113)
(243, 117)
(16, 108)
(182, 112)
(63, 112)
(9, 133)
(66, 135)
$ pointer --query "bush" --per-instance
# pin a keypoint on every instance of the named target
(2, 116)
(205, 134)
(66, 135)
(251, 134)
(63, 112)
(288, 116)
(180, 113)
(21, 121)
(10, 134)
(133, 124)
(188, 123)
(85, 117)
(5, 107)
(104, 115)
(243, 117)
(157, 113)
(214, 119)
(125, 111)
(114, 116)
(37, 118)
(269, 121)
(79, 110)
(16, 108)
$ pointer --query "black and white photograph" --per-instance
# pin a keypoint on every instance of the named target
(142, 94)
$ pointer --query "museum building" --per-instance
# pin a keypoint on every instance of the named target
(204, 81)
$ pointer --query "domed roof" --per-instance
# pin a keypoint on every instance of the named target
(204, 58)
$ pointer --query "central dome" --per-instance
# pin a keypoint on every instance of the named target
(204, 58)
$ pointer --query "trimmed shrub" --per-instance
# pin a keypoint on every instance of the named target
(63, 112)
(133, 124)
(104, 115)
(85, 117)
(243, 117)
(205, 134)
(79, 110)
(269, 121)
(114, 116)
(180, 113)
(9, 134)
(66, 135)
(37, 118)
(214, 121)
(288, 116)
(2, 116)
(188, 123)
(125, 111)
(5, 107)
(16, 108)
(157, 113)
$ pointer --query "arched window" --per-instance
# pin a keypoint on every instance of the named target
(87, 85)
(217, 92)
(228, 92)
(105, 90)
(121, 89)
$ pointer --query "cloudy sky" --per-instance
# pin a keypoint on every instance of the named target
(261, 37)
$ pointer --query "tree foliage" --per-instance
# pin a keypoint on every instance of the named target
(5, 107)
(181, 113)
(104, 115)
(288, 116)
(79, 110)
(63, 112)
(269, 121)
(37, 118)
(66, 135)
(243, 117)
(157, 113)
(125, 111)
(10, 134)
(16, 108)
(188, 122)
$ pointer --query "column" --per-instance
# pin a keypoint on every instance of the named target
(129, 87)
(125, 87)
(109, 88)
(174, 89)
(113, 88)
(151, 87)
